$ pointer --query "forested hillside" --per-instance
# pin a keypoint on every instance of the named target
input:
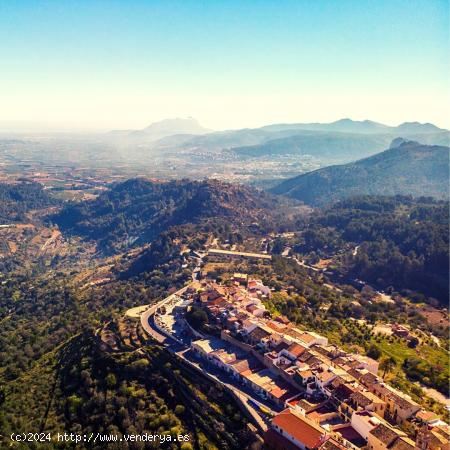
(18, 199)
(408, 169)
(402, 242)
(137, 210)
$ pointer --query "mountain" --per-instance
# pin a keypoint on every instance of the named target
(332, 146)
(417, 127)
(408, 169)
(358, 126)
(342, 125)
(341, 141)
(137, 210)
(162, 129)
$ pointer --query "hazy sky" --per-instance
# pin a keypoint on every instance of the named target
(230, 64)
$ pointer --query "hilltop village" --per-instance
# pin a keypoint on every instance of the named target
(314, 394)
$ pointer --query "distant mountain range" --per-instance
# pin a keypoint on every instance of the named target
(358, 126)
(341, 141)
(163, 129)
(407, 168)
(336, 142)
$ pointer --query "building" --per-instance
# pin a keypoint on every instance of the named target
(383, 436)
(431, 438)
(296, 428)
(399, 406)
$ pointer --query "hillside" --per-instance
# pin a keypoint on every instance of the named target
(408, 169)
(138, 210)
(330, 146)
(390, 242)
(337, 146)
(18, 199)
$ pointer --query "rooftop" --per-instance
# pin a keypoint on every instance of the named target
(385, 434)
(300, 428)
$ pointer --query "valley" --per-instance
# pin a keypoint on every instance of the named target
(103, 272)
(224, 225)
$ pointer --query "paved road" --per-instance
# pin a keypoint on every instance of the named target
(219, 377)
(147, 320)
(148, 324)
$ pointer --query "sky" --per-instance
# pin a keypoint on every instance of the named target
(99, 65)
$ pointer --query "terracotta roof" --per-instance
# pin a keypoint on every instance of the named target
(325, 376)
(307, 338)
(300, 428)
(246, 373)
(304, 373)
(427, 416)
(442, 439)
(384, 434)
(296, 349)
(400, 399)
(443, 428)
(282, 319)
(277, 326)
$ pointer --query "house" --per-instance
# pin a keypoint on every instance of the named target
(427, 418)
(366, 378)
(365, 401)
(276, 326)
(313, 338)
(332, 444)
(430, 438)
(346, 434)
(240, 278)
(323, 378)
(364, 422)
(258, 334)
(241, 366)
(303, 377)
(367, 363)
(382, 437)
(223, 359)
(400, 331)
(283, 393)
(204, 347)
(256, 310)
(293, 351)
(257, 287)
(296, 428)
(399, 406)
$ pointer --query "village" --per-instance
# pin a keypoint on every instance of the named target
(312, 394)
